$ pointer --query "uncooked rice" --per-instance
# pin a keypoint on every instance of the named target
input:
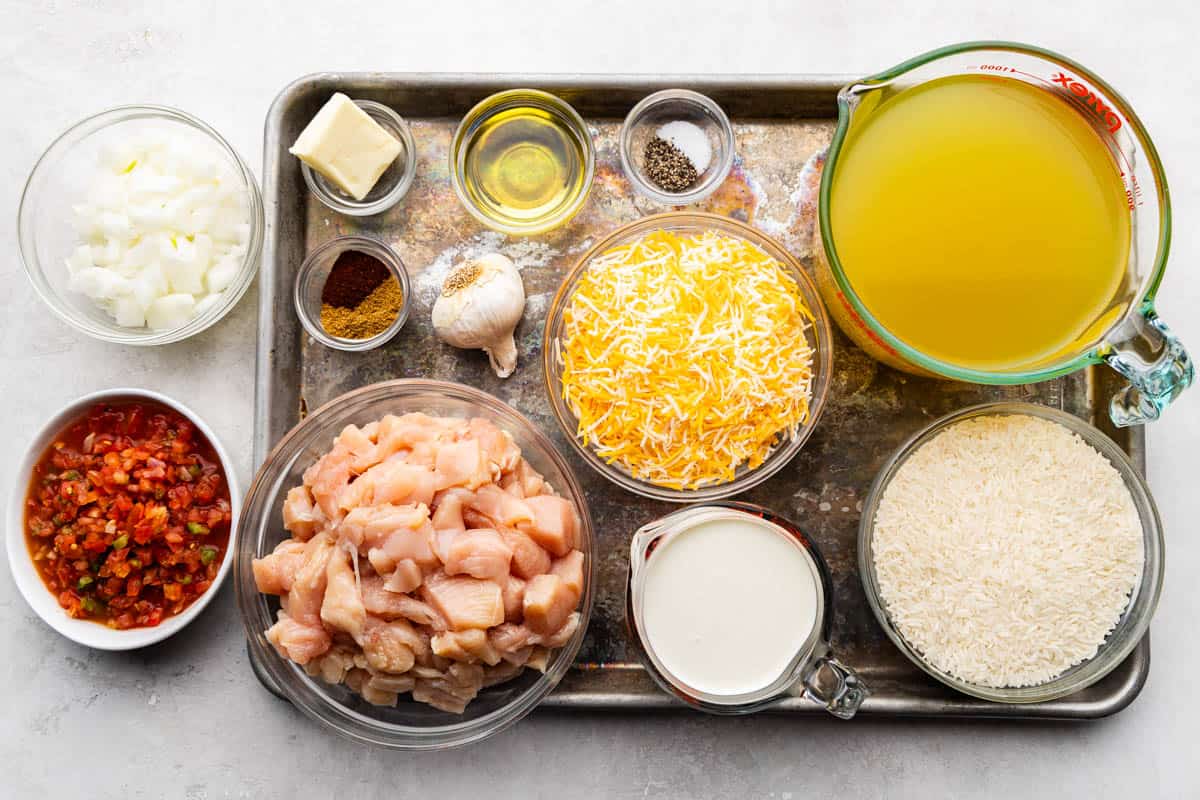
(1006, 549)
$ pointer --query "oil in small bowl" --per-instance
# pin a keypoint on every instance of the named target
(522, 161)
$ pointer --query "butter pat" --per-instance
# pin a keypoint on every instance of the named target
(345, 145)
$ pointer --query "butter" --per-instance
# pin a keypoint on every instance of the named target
(345, 145)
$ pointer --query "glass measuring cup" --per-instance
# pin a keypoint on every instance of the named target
(1128, 336)
(813, 673)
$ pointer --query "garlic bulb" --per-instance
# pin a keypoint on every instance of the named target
(482, 301)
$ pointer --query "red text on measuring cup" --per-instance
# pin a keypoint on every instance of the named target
(1091, 100)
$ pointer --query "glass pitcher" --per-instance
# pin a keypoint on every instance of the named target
(1135, 342)
(813, 674)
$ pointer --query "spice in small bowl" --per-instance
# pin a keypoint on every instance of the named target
(677, 156)
(352, 293)
(677, 147)
(361, 298)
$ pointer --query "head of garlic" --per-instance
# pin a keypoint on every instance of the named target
(482, 301)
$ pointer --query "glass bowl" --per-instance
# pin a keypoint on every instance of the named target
(666, 106)
(410, 725)
(392, 185)
(478, 204)
(687, 222)
(1135, 620)
(60, 178)
(310, 282)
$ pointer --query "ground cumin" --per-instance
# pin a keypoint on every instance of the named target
(369, 318)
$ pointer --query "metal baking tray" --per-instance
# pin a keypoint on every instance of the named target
(781, 123)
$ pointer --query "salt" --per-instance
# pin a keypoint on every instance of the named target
(691, 140)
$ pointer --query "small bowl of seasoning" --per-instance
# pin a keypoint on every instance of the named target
(353, 293)
(677, 147)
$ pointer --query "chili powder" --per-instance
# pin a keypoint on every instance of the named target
(354, 276)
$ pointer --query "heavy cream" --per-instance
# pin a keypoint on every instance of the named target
(728, 603)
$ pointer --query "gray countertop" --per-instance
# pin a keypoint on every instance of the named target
(187, 718)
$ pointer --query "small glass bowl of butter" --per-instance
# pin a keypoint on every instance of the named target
(340, 134)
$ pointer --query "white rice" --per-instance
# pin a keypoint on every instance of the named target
(1006, 549)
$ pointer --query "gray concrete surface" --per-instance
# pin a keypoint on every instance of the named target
(187, 719)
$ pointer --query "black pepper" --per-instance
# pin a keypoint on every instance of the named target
(668, 168)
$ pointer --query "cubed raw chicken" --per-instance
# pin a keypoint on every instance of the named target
(528, 558)
(406, 577)
(468, 645)
(426, 692)
(462, 463)
(539, 659)
(342, 608)
(500, 506)
(563, 635)
(548, 603)
(394, 481)
(512, 589)
(387, 647)
(510, 637)
(553, 525)
(498, 446)
(274, 573)
(362, 448)
(570, 569)
(480, 553)
(386, 682)
(327, 478)
(301, 643)
(303, 601)
(465, 602)
(300, 516)
(504, 671)
(448, 515)
(389, 605)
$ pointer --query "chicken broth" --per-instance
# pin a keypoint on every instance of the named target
(728, 604)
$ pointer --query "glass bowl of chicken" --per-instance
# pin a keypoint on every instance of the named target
(415, 568)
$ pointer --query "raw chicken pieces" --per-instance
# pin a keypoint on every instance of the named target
(427, 557)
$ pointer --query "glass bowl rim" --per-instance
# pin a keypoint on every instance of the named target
(388, 255)
(1149, 586)
(823, 346)
(355, 208)
(316, 703)
(714, 181)
(144, 337)
(549, 102)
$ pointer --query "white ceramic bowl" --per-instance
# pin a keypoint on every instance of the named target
(40, 599)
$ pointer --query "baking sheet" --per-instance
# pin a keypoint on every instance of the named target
(782, 123)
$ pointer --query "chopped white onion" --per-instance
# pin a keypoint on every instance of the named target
(164, 227)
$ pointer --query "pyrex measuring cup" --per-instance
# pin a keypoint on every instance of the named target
(1130, 337)
(813, 673)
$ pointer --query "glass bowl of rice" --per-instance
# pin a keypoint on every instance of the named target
(930, 579)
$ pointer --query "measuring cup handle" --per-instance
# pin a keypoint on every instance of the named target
(833, 685)
(1144, 350)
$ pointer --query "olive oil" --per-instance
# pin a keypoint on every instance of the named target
(523, 165)
(983, 221)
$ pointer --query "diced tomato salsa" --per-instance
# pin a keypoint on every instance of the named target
(127, 517)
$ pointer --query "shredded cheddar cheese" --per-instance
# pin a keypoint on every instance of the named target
(685, 358)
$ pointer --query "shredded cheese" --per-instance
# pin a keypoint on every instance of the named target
(686, 358)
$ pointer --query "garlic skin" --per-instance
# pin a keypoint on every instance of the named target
(482, 301)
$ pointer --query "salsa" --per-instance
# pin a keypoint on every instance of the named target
(127, 516)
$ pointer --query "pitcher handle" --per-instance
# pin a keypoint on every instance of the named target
(832, 685)
(1144, 350)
